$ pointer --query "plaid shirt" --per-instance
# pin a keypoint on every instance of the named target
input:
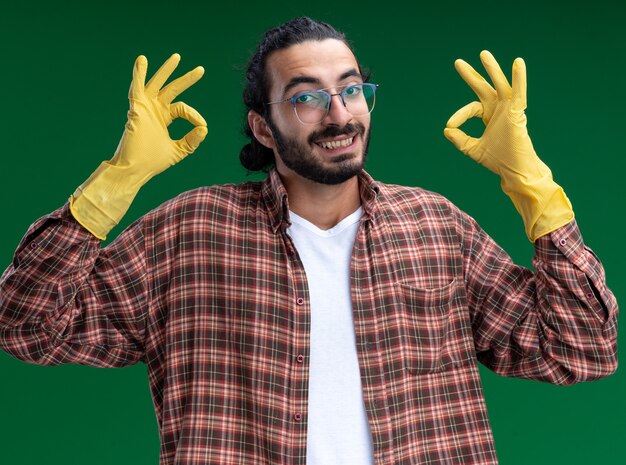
(208, 291)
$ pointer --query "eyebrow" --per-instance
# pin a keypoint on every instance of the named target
(312, 80)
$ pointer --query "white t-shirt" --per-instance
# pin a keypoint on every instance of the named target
(338, 431)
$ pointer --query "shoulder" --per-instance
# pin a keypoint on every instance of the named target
(435, 218)
(409, 207)
(405, 199)
(210, 197)
(207, 204)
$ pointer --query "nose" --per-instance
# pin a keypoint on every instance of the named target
(338, 114)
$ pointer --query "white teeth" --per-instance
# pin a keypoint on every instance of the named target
(335, 144)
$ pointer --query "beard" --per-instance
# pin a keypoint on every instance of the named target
(299, 157)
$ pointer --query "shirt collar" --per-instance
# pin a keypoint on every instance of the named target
(275, 196)
(369, 191)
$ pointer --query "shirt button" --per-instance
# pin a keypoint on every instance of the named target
(300, 301)
(33, 245)
(300, 358)
(563, 241)
(589, 295)
(297, 417)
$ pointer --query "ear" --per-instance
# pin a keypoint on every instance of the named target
(261, 130)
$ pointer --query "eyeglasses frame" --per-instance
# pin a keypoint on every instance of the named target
(330, 98)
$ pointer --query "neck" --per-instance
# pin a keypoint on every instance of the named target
(321, 204)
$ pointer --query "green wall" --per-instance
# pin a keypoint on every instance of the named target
(66, 68)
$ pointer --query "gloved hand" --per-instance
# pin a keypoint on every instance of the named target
(505, 147)
(145, 149)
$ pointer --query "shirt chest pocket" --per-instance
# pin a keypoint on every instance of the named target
(435, 335)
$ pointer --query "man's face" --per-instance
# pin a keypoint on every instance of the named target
(335, 149)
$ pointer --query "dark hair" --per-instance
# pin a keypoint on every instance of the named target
(254, 156)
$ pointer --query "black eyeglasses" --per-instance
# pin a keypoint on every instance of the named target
(312, 106)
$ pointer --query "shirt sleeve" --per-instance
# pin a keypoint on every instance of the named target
(557, 323)
(64, 299)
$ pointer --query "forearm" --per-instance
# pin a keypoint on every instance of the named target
(556, 324)
(52, 310)
(577, 310)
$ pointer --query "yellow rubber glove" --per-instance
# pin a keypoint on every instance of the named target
(145, 149)
(505, 147)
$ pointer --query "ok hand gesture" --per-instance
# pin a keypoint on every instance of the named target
(505, 147)
(145, 149)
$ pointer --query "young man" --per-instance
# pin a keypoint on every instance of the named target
(318, 317)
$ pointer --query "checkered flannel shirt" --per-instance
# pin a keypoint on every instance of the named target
(208, 291)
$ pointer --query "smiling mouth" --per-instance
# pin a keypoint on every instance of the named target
(336, 144)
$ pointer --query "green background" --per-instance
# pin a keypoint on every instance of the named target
(66, 68)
